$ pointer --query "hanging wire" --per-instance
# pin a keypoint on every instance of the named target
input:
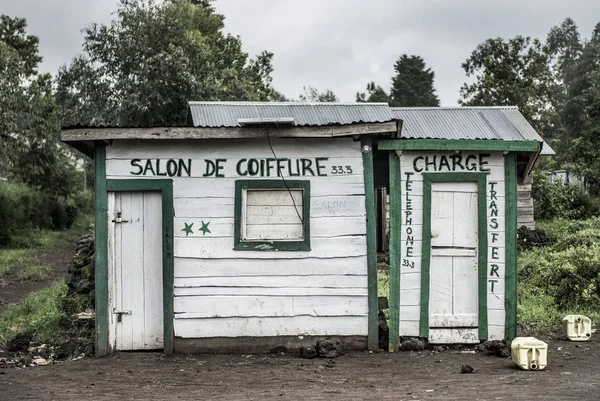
(283, 178)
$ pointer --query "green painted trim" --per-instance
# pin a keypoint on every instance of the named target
(165, 186)
(482, 251)
(459, 144)
(101, 234)
(395, 235)
(240, 245)
(425, 260)
(510, 283)
(369, 182)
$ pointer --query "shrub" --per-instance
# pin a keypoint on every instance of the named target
(559, 229)
(568, 270)
(23, 209)
(561, 201)
(83, 201)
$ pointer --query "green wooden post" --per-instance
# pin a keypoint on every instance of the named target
(101, 233)
(395, 230)
(367, 156)
(510, 291)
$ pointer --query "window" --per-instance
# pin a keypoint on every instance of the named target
(272, 215)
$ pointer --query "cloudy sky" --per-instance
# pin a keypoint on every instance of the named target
(335, 44)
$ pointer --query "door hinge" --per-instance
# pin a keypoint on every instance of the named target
(118, 219)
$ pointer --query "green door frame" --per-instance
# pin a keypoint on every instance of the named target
(102, 187)
(482, 251)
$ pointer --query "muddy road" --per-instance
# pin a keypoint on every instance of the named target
(573, 373)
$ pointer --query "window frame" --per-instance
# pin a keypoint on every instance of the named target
(240, 244)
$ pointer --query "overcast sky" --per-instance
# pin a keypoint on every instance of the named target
(335, 44)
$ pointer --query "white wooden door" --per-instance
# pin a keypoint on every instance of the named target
(453, 294)
(135, 270)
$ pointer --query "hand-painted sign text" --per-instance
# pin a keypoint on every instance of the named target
(446, 163)
(408, 212)
(493, 273)
(266, 167)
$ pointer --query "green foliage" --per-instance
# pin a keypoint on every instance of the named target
(24, 211)
(14, 260)
(13, 33)
(581, 113)
(412, 86)
(34, 273)
(558, 230)
(563, 277)
(570, 276)
(34, 154)
(556, 86)
(509, 73)
(555, 200)
(39, 313)
(383, 284)
(83, 201)
(312, 94)
(375, 93)
(153, 58)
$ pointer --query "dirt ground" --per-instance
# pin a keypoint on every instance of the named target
(12, 290)
(573, 373)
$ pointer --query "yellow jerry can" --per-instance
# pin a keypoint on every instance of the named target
(529, 353)
(577, 327)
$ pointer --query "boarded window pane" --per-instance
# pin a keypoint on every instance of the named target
(273, 215)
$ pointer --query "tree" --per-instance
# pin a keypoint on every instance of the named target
(34, 154)
(581, 115)
(412, 86)
(509, 73)
(375, 94)
(145, 66)
(564, 47)
(312, 94)
(13, 34)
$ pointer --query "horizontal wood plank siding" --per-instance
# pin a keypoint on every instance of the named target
(221, 292)
(525, 204)
(272, 326)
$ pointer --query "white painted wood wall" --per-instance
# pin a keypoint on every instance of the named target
(410, 277)
(220, 292)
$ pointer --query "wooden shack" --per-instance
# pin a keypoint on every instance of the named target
(251, 229)
(453, 177)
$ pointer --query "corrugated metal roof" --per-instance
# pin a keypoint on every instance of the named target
(496, 123)
(226, 114)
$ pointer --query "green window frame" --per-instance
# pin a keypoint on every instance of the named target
(263, 245)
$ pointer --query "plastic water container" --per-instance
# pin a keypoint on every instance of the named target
(577, 327)
(529, 353)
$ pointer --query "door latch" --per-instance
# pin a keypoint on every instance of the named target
(120, 314)
(118, 219)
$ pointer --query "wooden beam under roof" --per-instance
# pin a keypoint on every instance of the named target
(330, 131)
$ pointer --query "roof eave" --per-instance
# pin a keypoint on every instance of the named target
(329, 131)
(460, 144)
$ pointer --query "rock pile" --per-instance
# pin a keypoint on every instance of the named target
(324, 349)
(78, 321)
(499, 348)
(80, 278)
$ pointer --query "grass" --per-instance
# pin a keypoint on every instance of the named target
(383, 284)
(539, 315)
(34, 273)
(558, 279)
(39, 313)
(24, 259)
(14, 259)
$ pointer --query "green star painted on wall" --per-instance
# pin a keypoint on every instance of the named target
(187, 229)
(204, 228)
